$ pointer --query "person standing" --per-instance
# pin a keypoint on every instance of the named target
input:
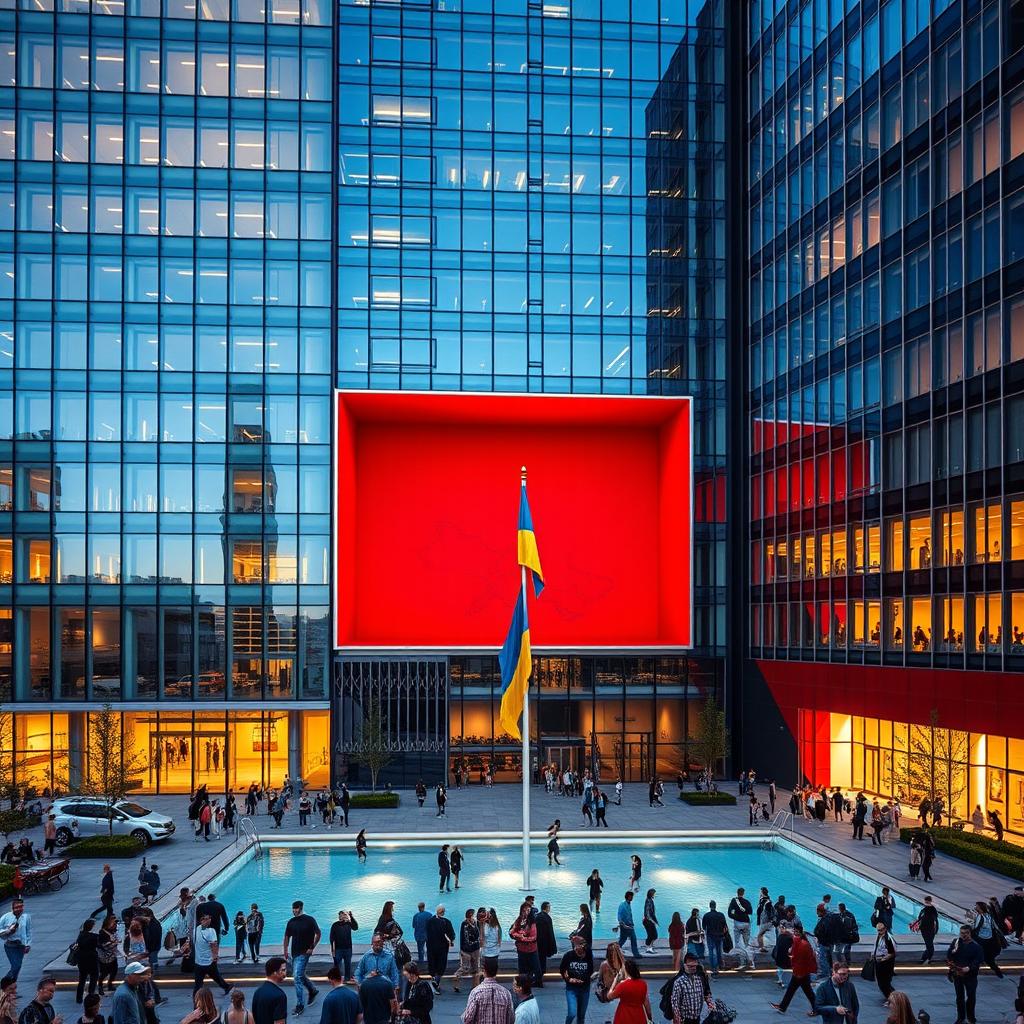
(600, 807)
(440, 798)
(50, 835)
(650, 922)
(444, 869)
(772, 796)
(419, 996)
(378, 959)
(301, 936)
(106, 892)
(218, 914)
(419, 930)
(269, 1002)
(714, 925)
(456, 859)
(440, 939)
(86, 947)
(964, 959)
(421, 793)
(765, 918)
(576, 968)
(524, 933)
(594, 885)
(884, 954)
(16, 931)
(691, 992)
(346, 800)
(254, 925)
(803, 966)
(928, 928)
(547, 945)
(361, 846)
(618, 792)
(341, 1004)
(884, 907)
(469, 951)
(378, 1000)
(627, 930)
(835, 999)
(489, 1002)
(341, 942)
(527, 1008)
(997, 823)
(740, 912)
(553, 841)
(205, 951)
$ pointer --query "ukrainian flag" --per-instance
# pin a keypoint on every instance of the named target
(528, 554)
(516, 664)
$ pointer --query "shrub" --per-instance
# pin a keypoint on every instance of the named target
(17, 821)
(105, 846)
(707, 799)
(1003, 858)
(6, 881)
(373, 801)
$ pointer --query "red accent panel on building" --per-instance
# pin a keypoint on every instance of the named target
(989, 702)
(428, 498)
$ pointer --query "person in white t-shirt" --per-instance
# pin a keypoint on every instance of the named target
(205, 950)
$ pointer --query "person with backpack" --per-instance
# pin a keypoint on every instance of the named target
(781, 950)
(827, 933)
(804, 966)
(848, 931)
(765, 918)
(740, 912)
(986, 933)
(688, 993)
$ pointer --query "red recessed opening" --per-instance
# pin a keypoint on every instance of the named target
(428, 499)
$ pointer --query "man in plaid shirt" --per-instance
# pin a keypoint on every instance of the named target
(489, 1003)
(691, 992)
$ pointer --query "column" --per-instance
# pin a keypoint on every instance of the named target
(295, 744)
(77, 733)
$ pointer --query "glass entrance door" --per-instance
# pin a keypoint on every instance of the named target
(562, 758)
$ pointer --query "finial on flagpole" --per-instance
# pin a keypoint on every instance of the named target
(524, 474)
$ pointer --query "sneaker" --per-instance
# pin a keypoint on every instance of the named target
(776, 1006)
(298, 1011)
(313, 995)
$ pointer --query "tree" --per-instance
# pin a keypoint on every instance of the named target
(931, 762)
(114, 765)
(373, 748)
(710, 741)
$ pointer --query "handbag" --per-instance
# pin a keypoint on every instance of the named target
(726, 942)
(867, 972)
(721, 1014)
(402, 954)
(72, 957)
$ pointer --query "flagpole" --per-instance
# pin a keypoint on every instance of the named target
(526, 750)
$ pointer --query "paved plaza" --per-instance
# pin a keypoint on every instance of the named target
(477, 809)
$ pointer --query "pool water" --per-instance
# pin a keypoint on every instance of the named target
(329, 879)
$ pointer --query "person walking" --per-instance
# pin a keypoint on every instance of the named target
(106, 892)
(345, 803)
(636, 867)
(547, 945)
(714, 925)
(205, 951)
(489, 1002)
(440, 798)
(16, 931)
(127, 1006)
(444, 870)
(301, 936)
(691, 992)
(650, 923)
(987, 934)
(361, 846)
(594, 886)
(440, 939)
(964, 959)
(803, 966)
(341, 942)
(928, 928)
(491, 939)
(419, 996)
(377, 960)
(421, 792)
(883, 953)
(885, 905)
(553, 850)
(107, 952)
(456, 859)
(576, 968)
(765, 918)
(269, 1002)
(631, 992)
(527, 1007)
(378, 1000)
(740, 912)
(469, 951)
(86, 948)
(693, 937)
(254, 925)
(240, 936)
(835, 999)
(627, 930)
(584, 927)
(524, 933)
(600, 807)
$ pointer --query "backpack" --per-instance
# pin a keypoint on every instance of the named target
(849, 923)
(665, 1003)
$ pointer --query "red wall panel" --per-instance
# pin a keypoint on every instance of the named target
(428, 493)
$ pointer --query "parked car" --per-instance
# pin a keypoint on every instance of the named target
(93, 817)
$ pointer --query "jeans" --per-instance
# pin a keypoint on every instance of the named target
(741, 939)
(715, 952)
(254, 944)
(343, 961)
(421, 950)
(824, 961)
(576, 999)
(154, 968)
(302, 983)
(627, 934)
(966, 989)
(15, 955)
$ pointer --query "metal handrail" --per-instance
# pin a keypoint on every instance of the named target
(247, 827)
(778, 826)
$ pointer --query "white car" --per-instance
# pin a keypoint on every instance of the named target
(93, 817)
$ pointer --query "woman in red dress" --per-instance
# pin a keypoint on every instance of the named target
(634, 1006)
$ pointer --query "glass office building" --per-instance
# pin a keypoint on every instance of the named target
(213, 213)
(886, 394)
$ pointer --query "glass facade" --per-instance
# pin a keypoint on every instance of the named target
(886, 337)
(213, 213)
